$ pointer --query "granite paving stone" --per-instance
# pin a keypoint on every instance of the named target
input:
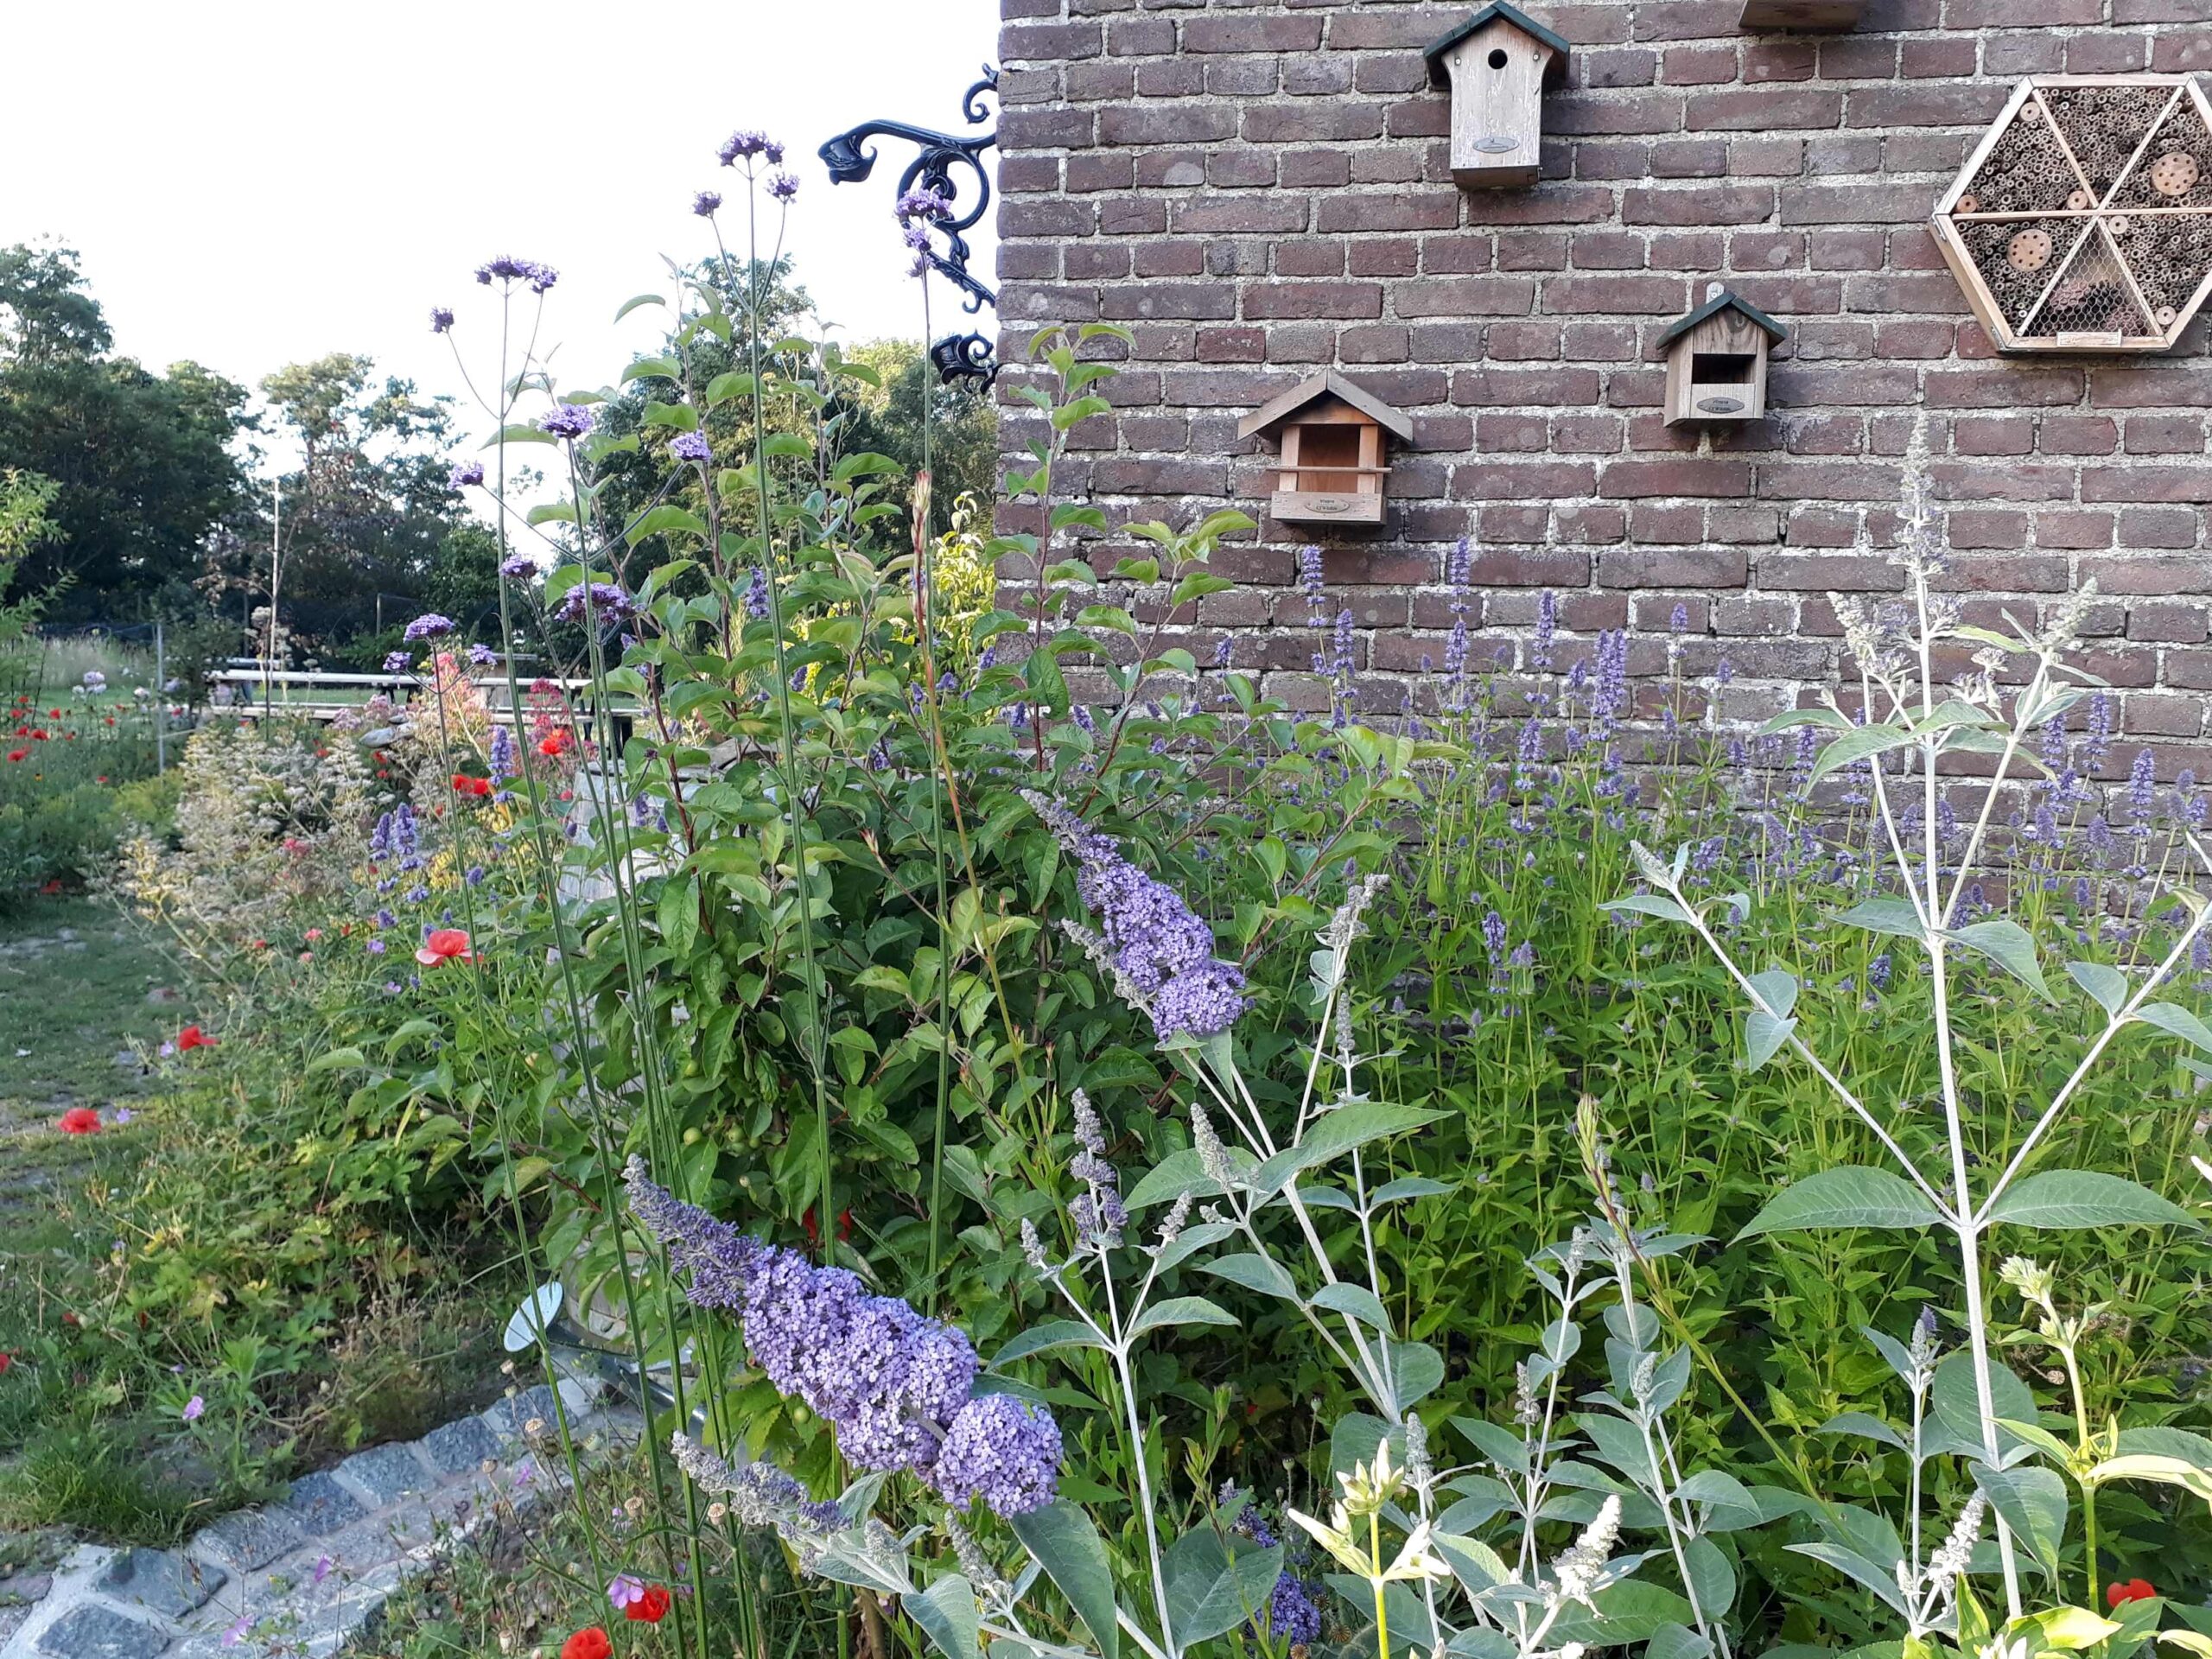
(387, 1473)
(460, 1446)
(251, 1538)
(92, 1632)
(320, 1504)
(160, 1579)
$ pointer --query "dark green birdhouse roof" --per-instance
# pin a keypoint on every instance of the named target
(1719, 302)
(1497, 11)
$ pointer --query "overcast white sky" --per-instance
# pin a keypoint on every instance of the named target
(252, 184)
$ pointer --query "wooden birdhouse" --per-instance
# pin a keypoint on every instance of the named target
(1830, 15)
(1716, 361)
(1497, 64)
(1333, 438)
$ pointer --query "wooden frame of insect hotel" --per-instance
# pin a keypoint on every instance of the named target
(1497, 64)
(1332, 439)
(2082, 222)
(1717, 360)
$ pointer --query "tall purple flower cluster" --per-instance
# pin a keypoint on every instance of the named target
(465, 473)
(691, 445)
(567, 421)
(897, 1387)
(428, 625)
(1159, 948)
(440, 319)
(602, 600)
(395, 837)
(744, 145)
(508, 269)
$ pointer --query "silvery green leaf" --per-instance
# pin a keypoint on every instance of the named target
(2060, 1198)
(1865, 1426)
(1335, 1134)
(1355, 1301)
(1885, 916)
(1955, 1424)
(1647, 864)
(1417, 1370)
(1988, 637)
(1410, 1186)
(1481, 1641)
(1860, 743)
(1634, 1610)
(2009, 945)
(1848, 1195)
(2167, 1017)
(2032, 1500)
(1833, 719)
(1778, 989)
(1180, 1310)
(1255, 1272)
(1178, 1172)
(1898, 1356)
(1648, 904)
(946, 1612)
(1067, 1546)
(846, 1559)
(1216, 1584)
(1713, 1575)
(1722, 1492)
(1681, 862)
(1326, 1198)
(1478, 1507)
(1474, 1563)
(2108, 985)
(1764, 1037)
(1950, 713)
(1853, 1565)
(1052, 1333)
(1500, 1445)
(1355, 1436)
(1677, 1642)
(1191, 1239)
(1862, 1531)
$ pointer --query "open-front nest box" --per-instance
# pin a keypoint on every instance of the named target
(1716, 361)
(1333, 438)
(1497, 64)
(2082, 222)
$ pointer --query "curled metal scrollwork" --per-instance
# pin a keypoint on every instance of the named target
(944, 162)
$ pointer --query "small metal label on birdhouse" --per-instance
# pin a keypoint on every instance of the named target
(1329, 503)
(1719, 405)
(1497, 144)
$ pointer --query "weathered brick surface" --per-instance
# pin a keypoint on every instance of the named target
(1259, 188)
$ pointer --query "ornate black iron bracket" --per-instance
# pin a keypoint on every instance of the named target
(957, 357)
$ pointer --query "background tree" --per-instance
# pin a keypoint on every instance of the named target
(368, 509)
(144, 464)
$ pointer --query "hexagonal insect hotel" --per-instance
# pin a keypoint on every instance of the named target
(2082, 222)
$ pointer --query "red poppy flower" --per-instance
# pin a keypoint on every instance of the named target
(445, 944)
(38, 734)
(193, 1037)
(6, 1360)
(553, 743)
(79, 1119)
(649, 1608)
(844, 1226)
(590, 1643)
(19, 754)
(2133, 1590)
(52, 887)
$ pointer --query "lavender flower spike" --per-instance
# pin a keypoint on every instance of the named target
(567, 421)
(1162, 955)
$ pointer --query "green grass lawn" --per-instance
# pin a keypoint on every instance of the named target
(79, 985)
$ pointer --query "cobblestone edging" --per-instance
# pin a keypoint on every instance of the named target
(305, 1576)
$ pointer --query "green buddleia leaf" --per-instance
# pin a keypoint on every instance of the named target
(1848, 1195)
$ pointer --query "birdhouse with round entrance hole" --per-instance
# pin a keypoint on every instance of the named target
(1496, 64)
(1333, 439)
(1716, 361)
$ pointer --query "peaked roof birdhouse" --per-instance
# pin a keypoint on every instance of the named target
(1332, 439)
(1497, 64)
(2083, 221)
(1717, 360)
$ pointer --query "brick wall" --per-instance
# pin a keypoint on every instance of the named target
(1260, 190)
